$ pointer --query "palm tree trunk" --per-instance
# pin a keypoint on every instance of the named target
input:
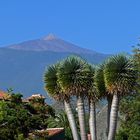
(71, 120)
(109, 100)
(81, 116)
(92, 120)
(113, 117)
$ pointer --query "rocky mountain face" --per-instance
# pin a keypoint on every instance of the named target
(22, 65)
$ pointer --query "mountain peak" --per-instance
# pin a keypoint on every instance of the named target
(50, 43)
(49, 37)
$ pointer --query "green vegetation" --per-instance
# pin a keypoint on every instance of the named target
(74, 77)
(18, 119)
(75, 80)
(130, 109)
(130, 118)
(120, 79)
(60, 120)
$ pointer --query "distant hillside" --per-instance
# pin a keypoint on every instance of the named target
(50, 43)
(22, 65)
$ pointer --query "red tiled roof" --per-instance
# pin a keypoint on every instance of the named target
(54, 131)
(3, 95)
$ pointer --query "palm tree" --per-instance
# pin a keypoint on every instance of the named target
(60, 120)
(102, 91)
(53, 88)
(72, 77)
(120, 78)
(92, 97)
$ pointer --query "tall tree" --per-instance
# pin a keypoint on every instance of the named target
(73, 79)
(120, 78)
(130, 108)
(53, 88)
(92, 98)
(102, 91)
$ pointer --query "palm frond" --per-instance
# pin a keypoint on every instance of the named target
(99, 81)
(50, 80)
(72, 74)
(60, 120)
(120, 74)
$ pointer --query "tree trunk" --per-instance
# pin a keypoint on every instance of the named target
(71, 120)
(92, 120)
(81, 116)
(113, 117)
(109, 100)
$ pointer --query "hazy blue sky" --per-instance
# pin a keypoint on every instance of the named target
(108, 26)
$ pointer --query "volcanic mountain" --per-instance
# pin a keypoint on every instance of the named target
(50, 43)
(22, 65)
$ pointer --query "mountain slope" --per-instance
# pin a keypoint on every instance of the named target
(23, 69)
(50, 43)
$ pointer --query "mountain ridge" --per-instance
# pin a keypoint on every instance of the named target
(50, 43)
(23, 70)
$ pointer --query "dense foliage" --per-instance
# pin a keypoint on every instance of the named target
(61, 120)
(130, 120)
(19, 118)
(74, 77)
(130, 109)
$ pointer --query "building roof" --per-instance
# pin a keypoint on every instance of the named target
(3, 95)
(36, 96)
(51, 132)
(54, 131)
